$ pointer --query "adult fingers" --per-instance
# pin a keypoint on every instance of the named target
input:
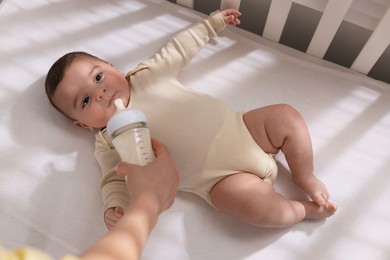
(159, 148)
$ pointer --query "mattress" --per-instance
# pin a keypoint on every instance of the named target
(49, 195)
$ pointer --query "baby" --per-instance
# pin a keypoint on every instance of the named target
(225, 157)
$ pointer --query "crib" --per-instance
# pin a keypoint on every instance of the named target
(354, 34)
(49, 179)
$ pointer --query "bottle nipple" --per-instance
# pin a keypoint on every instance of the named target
(123, 117)
(119, 104)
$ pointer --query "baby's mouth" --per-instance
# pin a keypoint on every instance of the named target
(111, 101)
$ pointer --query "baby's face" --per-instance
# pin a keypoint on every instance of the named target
(88, 90)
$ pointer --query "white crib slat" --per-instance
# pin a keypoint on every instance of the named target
(186, 3)
(276, 19)
(375, 46)
(330, 22)
(235, 4)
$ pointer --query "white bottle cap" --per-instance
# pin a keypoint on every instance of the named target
(124, 117)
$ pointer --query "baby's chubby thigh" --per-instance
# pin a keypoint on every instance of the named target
(235, 151)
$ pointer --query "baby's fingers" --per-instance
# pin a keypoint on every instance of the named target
(230, 16)
(232, 20)
(118, 213)
(230, 12)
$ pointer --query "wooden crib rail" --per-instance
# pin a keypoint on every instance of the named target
(370, 55)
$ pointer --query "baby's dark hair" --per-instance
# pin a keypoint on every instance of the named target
(57, 71)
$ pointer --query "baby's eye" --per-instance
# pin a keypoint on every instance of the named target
(85, 102)
(98, 77)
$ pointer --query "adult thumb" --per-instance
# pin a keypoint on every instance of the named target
(123, 168)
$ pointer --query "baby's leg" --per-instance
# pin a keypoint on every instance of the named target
(281, 127)
(249, 198)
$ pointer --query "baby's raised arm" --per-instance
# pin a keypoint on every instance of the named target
(186, 44)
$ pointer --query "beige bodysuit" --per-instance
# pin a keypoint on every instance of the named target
(207, 140)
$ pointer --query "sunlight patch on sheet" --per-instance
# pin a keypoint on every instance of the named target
(15, 7)
(157, 28)
(343, 133)
(37, 29)
(143, 38)
(244, 68)
(237, 73)
(376, 136)
(250, 65)
(342, 113)
(64, 163)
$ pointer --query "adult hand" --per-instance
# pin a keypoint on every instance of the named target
(156, 182)
(153, 188)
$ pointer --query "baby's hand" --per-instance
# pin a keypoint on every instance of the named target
(230, 16)
(112, 216)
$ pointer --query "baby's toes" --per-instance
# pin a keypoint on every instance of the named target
(320, 198)
(331, 207)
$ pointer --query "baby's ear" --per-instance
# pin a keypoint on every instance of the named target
(79, 124)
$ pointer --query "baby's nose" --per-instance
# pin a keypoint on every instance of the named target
(100, 93)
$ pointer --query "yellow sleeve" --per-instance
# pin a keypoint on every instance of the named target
(23, 253)
(29, 253)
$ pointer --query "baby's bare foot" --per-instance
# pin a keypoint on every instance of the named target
(313, 187)
(314, 211)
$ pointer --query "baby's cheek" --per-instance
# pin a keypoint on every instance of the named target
(103, 119)
(109, 113)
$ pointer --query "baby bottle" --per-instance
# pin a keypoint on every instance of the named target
(130, 135)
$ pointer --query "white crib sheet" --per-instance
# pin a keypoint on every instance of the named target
(49, 196)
